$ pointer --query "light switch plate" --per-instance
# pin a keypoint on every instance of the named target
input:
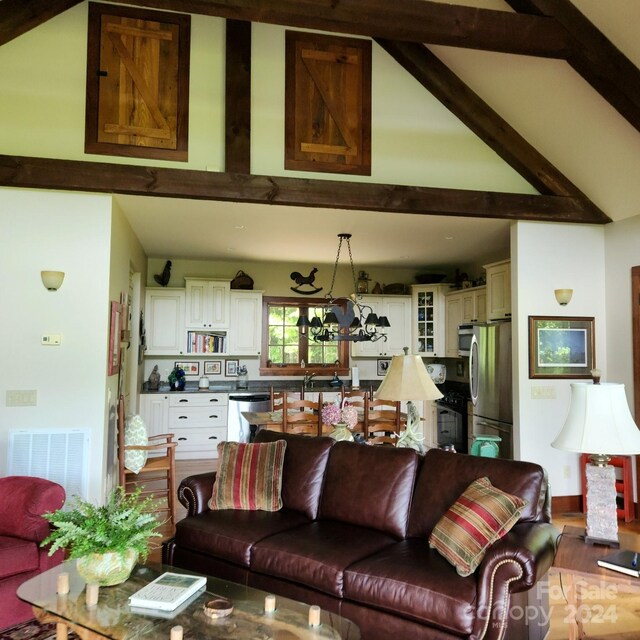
(543, 392)
(21, 398)
(51, 339)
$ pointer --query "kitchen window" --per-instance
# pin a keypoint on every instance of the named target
(285, 348)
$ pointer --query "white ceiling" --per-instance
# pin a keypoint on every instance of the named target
(544, 100)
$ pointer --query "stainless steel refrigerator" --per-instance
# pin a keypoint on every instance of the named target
(490, 383)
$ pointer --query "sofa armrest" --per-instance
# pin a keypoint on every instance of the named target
(514, 563)
(195, 492)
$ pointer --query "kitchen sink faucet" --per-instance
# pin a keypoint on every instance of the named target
(308, 377)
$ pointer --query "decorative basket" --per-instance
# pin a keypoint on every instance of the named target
(242, 281)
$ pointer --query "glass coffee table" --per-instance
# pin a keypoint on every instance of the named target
(112, 617)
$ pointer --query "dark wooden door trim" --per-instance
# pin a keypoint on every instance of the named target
(635, 320)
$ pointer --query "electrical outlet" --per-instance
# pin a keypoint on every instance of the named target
(21, 398)
(51, 340)
(567, 471)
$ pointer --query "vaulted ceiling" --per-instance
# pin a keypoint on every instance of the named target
(548, 51)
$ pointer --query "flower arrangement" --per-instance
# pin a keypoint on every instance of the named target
(177, 377)
(121, 524)
(333, 414)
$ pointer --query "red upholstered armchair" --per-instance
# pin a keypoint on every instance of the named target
(23, 500)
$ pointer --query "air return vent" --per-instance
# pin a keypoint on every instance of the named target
(60, 456)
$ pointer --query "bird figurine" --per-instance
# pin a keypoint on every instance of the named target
(301, 280)
(163, 278)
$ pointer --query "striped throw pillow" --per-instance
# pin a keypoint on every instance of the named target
(249, 476)
(477, 519)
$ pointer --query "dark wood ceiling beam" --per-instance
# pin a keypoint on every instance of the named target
(75, 175)
(406, 20)
(476, 114)
(593, 56)
(19, 16)
(237, 102)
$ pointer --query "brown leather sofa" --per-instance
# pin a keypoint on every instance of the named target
(352, 537)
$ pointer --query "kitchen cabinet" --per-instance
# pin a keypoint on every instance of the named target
(498, 290)
(245, 330)
(154, 410)
(397, 309)
(207, 303)
(428, 319)
(164, 315)
(461, 307)
(198, 422)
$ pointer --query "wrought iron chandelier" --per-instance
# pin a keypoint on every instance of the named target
(357, 323)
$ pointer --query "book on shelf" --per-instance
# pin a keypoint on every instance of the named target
(623, 561)
(167, 591)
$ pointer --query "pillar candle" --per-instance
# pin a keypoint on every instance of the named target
(176, 633)
(92, 595)
(63, 583)
(269, 604)
(314, 615)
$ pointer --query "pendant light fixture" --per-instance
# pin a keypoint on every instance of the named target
(357, 323)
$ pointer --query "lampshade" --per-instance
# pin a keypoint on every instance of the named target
(563, 296)
(599, 421)
(407, 379)
(52, 280)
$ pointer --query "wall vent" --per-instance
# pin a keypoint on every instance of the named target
(59, 456)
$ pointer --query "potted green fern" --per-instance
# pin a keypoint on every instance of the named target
(105, 540)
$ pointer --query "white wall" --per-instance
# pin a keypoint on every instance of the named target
(70, 233)
(547, 257)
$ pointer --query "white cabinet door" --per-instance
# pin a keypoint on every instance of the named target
(498, 290)
(398, 311)
(154, 410)
(245, 329)
(454, 308)
(164, 313)
(207, 303)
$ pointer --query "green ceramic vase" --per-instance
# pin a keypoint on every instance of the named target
(107, 569)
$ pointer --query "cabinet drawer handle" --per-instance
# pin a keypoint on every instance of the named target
(213, 437)
(183, 400)
(182, 417)
(213, 416)
(213, 400)
(181, 438)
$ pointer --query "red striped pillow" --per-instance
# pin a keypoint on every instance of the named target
(477, 519)
(249, 476)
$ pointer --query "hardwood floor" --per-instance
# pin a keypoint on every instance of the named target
(616, 616)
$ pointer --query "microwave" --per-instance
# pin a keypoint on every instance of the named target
(465, 334)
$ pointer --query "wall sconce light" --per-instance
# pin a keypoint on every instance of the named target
(52, 280)
(563, 296)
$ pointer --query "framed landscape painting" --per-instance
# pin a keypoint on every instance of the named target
(561, 347)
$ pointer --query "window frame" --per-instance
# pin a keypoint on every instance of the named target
(295, 369)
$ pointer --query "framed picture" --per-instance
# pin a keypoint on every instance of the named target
(383, 366)
(231, 367)
(561, 347)
(114, 338)
(212, 367)
(191, 368)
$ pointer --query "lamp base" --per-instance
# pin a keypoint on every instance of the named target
(602, 541)
(602, 517)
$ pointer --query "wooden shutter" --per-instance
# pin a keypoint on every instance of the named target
(328, 104)
(137, 83)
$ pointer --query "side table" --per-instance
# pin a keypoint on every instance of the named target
(577, 564)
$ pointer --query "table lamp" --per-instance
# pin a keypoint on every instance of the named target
(407, 379)
(599, 423)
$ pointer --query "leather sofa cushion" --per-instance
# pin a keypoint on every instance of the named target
(444, 476)
(317, 554)
(230, 534)
(305, 462)
(410, 580)
(370, 486)
(17, 556)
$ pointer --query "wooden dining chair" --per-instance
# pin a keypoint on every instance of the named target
(357, 398)
(157, 477)
(382, 421)
(302, 416)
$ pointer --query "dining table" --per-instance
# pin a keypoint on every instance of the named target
(263, 420)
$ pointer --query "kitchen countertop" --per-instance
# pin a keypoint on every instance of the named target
(262, 386)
